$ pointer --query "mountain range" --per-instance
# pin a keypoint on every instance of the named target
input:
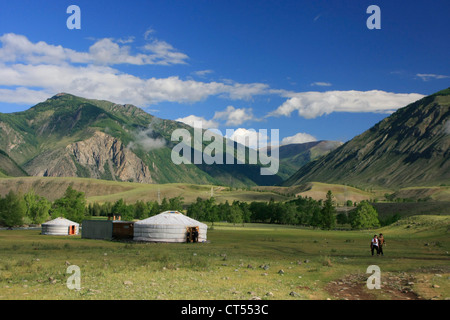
(70, 136)
(409, 148)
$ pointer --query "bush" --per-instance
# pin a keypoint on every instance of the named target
(365, 216)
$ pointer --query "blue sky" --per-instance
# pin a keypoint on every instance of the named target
(311, 69)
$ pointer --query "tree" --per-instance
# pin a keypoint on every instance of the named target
(165, 206)
(341, 218)
(12, 210)
(328, 213)
(364, 216)
(121, 208)
(235, 213)
(37, 207)
(141, 210)
(71, 206)
(288, 213)
(176, 204)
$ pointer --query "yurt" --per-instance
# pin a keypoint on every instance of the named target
(60, 227)
(170, 226)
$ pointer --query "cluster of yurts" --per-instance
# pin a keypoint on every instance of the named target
(168, 226)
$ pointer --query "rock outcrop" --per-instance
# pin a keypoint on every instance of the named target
(101, 156)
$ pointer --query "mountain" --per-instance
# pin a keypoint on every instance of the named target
(70, 136)
(8, 167)
(294, 156)
(411, 147)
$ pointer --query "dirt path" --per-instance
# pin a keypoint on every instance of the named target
(393, 287)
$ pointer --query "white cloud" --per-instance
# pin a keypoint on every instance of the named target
(248, 137)
(203, 73)
(40, 69)
(298, 138)
(193, 120)
(107, 51)
(32, 71)
(148, 32)
(430, 76)
(314, 104)
(321, 84)
(143, 139)
(233, 116)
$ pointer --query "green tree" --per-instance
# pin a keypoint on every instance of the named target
(342, 218)
(328, 213)
(364, 216)
(71, 206)
(141, 210)
(38, 208)
(121, 208)
(235, 213)
(176, 204)
(165, 205)
(12, 210)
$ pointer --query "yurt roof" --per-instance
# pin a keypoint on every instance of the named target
(61, 222)
(171, 218)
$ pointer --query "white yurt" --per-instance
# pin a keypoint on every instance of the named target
(169, 226)
(60, 227)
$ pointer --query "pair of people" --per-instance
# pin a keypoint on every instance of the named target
(377, 244)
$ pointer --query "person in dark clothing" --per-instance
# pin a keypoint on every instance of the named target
(381, 243)
(188, 236)
(195, 235)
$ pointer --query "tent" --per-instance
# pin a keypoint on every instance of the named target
(169, 226)
(60, 227)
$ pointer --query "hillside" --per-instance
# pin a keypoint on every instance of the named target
(8, 167)
(295, 156)
(97, 190)
(69, 136)
(409, 148)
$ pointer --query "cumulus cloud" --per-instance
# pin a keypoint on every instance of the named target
(32, 71)
(194, 121)
(314, 104)
(40, 69)
(233, 116)
(298, 138)
(248, 137)
(107, 51)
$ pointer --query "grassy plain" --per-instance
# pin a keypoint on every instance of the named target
(238, 263)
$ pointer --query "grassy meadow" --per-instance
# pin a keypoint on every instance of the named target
(254, 261)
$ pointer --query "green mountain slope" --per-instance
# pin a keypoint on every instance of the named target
(295, 156)
(409, 148)
(69, 136)
(8, 167)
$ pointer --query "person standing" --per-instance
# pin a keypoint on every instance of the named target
(374, 245)
(381, 243)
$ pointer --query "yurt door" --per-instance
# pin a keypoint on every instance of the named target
(71, 230)
(192, 234)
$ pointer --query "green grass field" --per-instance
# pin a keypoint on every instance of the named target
(315, 264)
